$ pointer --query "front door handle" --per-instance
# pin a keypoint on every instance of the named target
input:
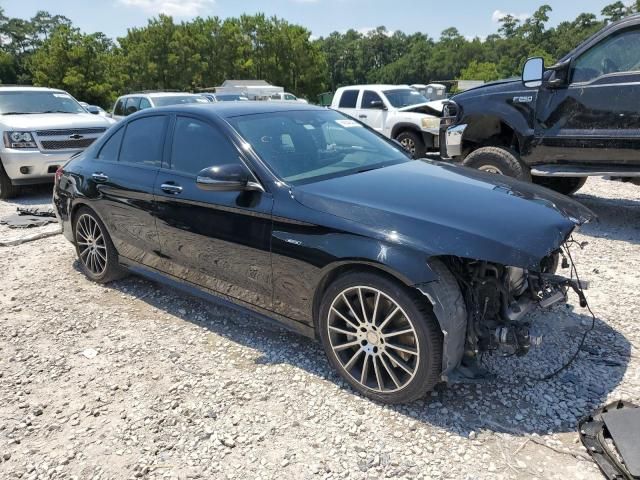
(171, 188)
(362, 116)
(99, 177)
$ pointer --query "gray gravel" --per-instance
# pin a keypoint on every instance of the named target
(134, 380)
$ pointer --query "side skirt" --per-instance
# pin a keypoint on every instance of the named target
(215, 297)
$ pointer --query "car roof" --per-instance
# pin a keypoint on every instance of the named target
(377, 87)
(161, 94)
(28, 88)
(236, 109)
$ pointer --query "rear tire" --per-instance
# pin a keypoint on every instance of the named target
(97, 256)
(412, 143)
(7, 189)
(386, 356)
(500, 160)
(564, 185)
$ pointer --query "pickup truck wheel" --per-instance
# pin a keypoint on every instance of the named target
(412, 143)
(502, 161)
(7, 189)
(564, 185)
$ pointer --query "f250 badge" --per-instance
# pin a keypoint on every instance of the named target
(528, 99)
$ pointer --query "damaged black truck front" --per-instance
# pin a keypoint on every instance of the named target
(556, 126)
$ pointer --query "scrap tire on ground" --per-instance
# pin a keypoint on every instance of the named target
(500, 160)
(412, 143)
(7, 189)
(89, 229)
(564, 185)
(421, 338)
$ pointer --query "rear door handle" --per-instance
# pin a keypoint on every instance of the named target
(99, 177)
(171, 188)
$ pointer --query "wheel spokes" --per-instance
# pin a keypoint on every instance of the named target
(91, 244)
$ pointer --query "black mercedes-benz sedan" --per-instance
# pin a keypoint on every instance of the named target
(404, 269)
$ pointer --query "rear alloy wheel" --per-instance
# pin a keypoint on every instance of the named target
(564, 185)
(96, 253)
(7, 189)
(412, 143)
(499, 160)
(380, 338)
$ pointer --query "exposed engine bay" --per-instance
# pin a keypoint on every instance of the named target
(498, 299)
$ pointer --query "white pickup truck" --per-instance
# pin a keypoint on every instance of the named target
(41, 128)
(396, 111)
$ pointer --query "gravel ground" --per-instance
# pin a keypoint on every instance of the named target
(135, 380)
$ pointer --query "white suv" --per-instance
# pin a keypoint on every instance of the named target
(397, 111)
(41, 128)
(128, 104)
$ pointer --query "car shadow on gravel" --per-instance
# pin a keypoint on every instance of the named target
(512, 402)
(618, 218)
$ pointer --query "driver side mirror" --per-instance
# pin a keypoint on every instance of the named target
(226, 178)
(378, 104)
(532, 72)
(93, 109)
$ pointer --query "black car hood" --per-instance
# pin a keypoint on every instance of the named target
(444, 209)
(499, 86)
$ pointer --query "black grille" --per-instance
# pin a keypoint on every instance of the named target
(71, 131)
(66, 144)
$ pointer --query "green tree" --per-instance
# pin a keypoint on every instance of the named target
(485, 71)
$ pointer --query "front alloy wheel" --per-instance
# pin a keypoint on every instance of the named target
(380, 337)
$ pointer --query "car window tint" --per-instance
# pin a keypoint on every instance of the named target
(119, 108)
(288, 96)
(109, 150)
(348, 99)
(198, 145)
(131, 106)
(144, 103)
(143, 141)
(367, 97)
(616, 54)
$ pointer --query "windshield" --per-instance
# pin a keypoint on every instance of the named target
(403, 97)
(307, 146)
(178, 99)
(21, 102)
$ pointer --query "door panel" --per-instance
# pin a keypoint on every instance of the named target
(219, 240)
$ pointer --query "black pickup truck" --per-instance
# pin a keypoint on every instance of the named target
(559, 125)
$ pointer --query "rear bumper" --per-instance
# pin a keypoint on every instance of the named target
(26, 167)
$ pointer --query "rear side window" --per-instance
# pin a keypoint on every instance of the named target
(143, 141)
(348, 99)
(110, 149)
(119, 108)
(144, 103)
(198, 145)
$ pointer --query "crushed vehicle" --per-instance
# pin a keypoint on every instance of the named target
(399, 112)
(405, 270)
(556, 126)
(41, 128)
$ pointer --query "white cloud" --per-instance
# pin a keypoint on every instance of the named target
(499, 15)
(176, 8)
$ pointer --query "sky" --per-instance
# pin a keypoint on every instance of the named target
(321, 17)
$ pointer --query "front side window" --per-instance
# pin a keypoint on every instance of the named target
(288, 96)
(348, 99)
(143, 141)
(618, 53)
(404, 97)
(131, 105)
(198, 145)
(111, 147)
(371, 100)
(25, 101)
(308, 146)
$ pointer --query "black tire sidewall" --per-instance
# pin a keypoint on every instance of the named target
(7, 189)
(113, 271)
(421, 149)
(430, 341)
(504, 159)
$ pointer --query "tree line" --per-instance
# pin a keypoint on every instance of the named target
(48, 50)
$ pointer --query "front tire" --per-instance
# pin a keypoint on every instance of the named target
(381, 337)
(412, 143)
(564, 185)
(97, 256)
(500, 160)
(7, 189)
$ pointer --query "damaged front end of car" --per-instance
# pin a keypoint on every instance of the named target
(497, 302)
